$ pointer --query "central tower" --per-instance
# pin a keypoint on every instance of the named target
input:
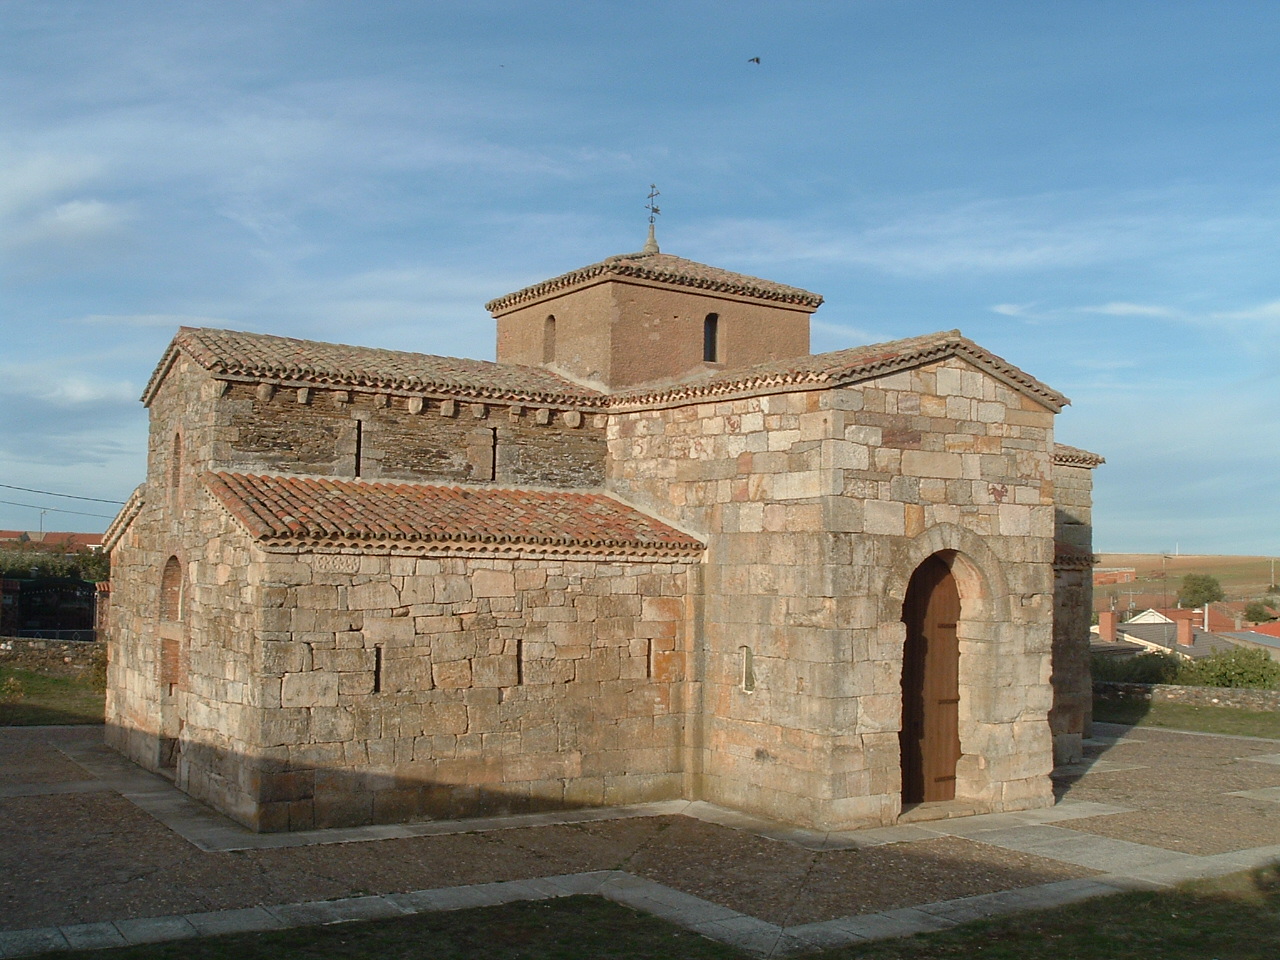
(649, 317)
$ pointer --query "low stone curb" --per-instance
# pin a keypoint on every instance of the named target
(709, 919)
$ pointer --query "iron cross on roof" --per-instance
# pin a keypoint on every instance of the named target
(651, 245)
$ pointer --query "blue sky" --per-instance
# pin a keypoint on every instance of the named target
(1089, 189)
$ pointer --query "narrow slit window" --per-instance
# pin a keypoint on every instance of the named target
(359, 445)
(175, 469)
(711, 338)
(549, 340)
(519, 661)
(377, 669)
(747, 681)
(171, 591)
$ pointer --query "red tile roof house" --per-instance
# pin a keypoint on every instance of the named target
(657, 550)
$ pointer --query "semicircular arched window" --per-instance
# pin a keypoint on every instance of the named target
(171, 591)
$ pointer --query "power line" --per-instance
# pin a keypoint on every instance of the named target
(78, 513)
(50, 493)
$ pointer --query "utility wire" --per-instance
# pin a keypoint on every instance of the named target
(50, 493)
(78, 513)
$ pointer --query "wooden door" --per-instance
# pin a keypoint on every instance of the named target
(930, 737)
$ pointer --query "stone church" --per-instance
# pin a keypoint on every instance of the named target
(657, 550)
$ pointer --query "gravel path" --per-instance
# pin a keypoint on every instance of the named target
(75, 851)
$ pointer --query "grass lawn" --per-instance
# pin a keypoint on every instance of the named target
(50, 700)
(1182, 716)
(1233, 918)
(572, 928)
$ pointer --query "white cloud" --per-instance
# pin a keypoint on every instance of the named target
(1265, 313)
(1013, 309)
(1122, 309)
(71, 222)
(837, 336)
(32, 182)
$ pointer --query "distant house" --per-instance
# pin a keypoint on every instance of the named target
(1254, 639)
(1271, 629)
(51, 540)
(1103, 576)
(1155, 631)
(1212, 618)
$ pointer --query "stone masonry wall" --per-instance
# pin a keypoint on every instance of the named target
(57, 658)
(1072, 715)
(145, 685)
(817, 507)
(394, 688)
(1238, 697)
(945, 458)
(378, 436)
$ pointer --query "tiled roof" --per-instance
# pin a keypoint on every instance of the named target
(1222, 616)
(841, 367)
(1166, 635)
(256, 356)
(1069, 556)
(324, 509)
(663, 268)
(120, 525)
(283, 359)
(1255, 636)
(1075, 456)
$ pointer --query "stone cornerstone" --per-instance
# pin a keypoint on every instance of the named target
(658, 550)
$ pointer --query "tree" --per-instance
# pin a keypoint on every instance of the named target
(1256, 611)
(1198, 589)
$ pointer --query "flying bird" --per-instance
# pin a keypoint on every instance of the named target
(754, 60)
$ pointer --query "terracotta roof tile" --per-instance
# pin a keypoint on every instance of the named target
(1075, 456)
(319, 509)
(664, 268)
(263, 357)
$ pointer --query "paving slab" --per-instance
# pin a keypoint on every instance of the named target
(156, 929)
(247, 920)
(93, 936)
(337, 911)
(895, 923)
(745, 933)
(23, 943)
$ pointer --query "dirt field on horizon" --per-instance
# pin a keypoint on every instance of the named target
(1158, 578)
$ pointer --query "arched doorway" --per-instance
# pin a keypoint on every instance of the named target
(930, 735)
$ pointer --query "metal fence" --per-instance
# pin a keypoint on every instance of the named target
(78, 636)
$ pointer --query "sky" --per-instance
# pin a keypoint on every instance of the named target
(1087, 189)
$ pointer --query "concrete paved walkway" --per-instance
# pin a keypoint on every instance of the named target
(1071, 833)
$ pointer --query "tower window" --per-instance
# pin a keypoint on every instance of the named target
(549, 340)
(711, 338)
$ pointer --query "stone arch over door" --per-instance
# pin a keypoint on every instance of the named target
(929, 741)
(981, 633)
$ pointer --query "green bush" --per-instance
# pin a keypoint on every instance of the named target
(1144, 668)
(98, 669)
(1233, 668)
(11, 691)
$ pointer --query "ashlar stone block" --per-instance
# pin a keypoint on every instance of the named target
(314, 688)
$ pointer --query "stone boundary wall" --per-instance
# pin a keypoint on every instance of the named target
(1240, 697)
(61, 658)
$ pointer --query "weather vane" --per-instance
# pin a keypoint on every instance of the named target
(651, 245)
